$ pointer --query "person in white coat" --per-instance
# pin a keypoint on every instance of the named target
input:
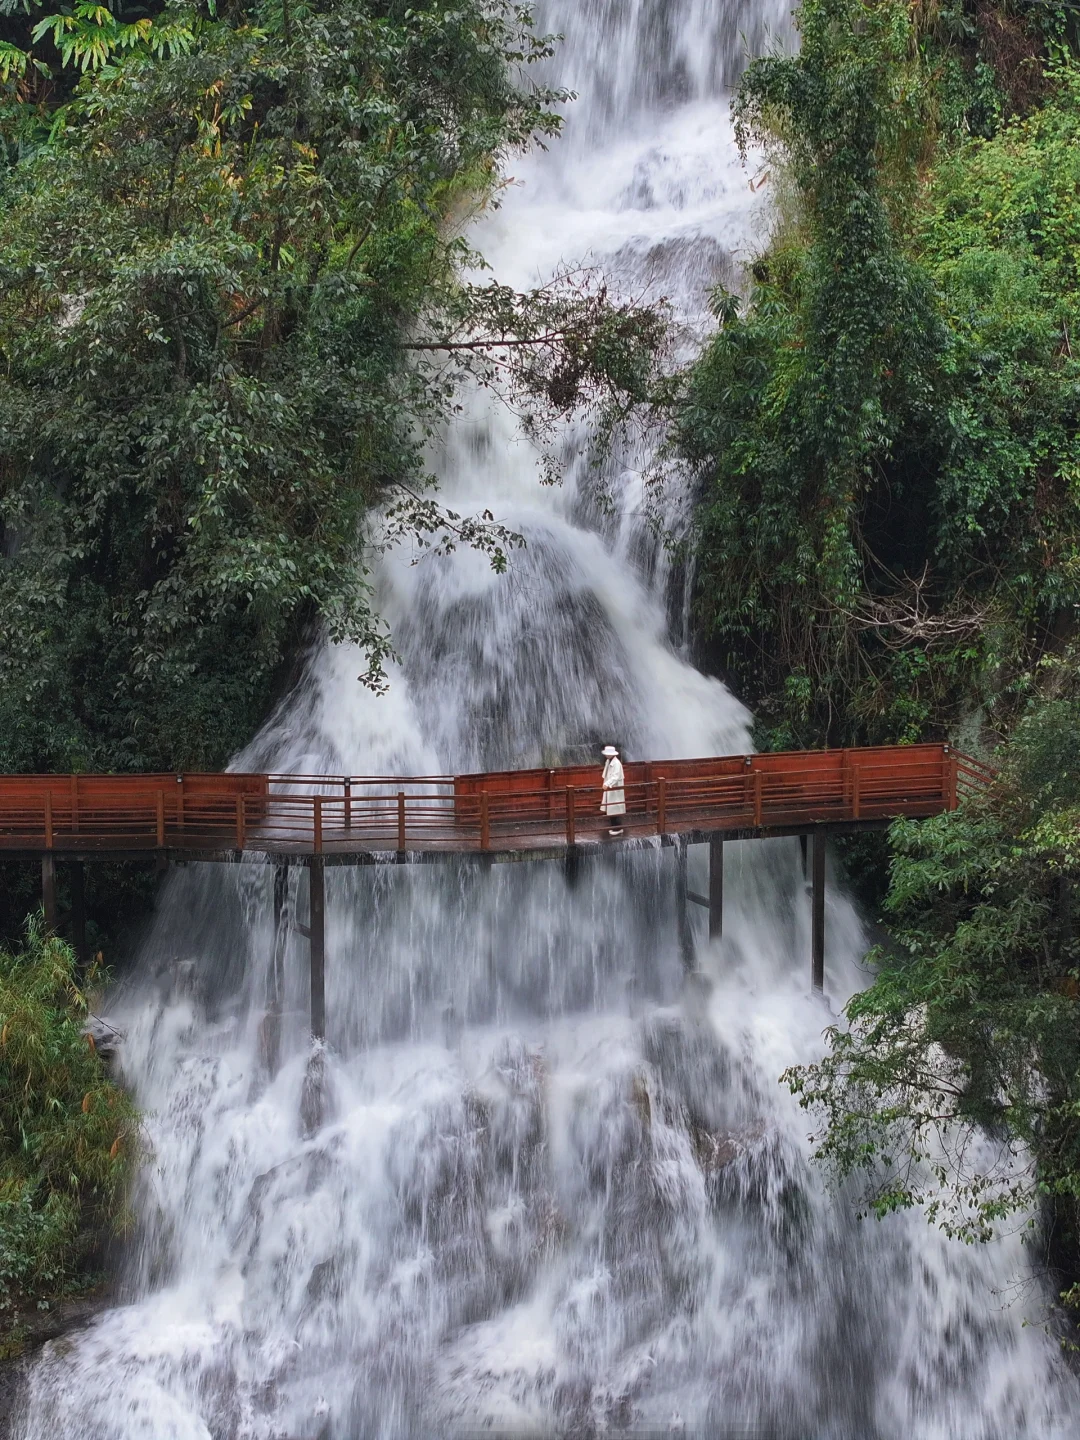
(613, 803)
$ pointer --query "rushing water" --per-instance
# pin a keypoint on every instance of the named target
(551, 1191)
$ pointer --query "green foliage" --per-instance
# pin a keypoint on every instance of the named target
(1000, 238)
(69, 1138)
(955, 1083)
(886, 430)
(886, 434)
(230, 316)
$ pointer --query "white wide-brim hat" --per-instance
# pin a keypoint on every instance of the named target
(609, 750)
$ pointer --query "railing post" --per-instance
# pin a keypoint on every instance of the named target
(48, 820)
(241, 837)
(748, 783)
(758, 781)
(180, 802)
(845, 781)
(661, 805)
(347, 783)
(401, 821)
(316, 826)
(74, 804)
(856, 793)
(950, 762)
(485, 822)
(571, 819)
(161, 819)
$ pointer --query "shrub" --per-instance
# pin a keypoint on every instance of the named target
(69, 1137)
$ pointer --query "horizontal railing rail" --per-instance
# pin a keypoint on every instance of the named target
(317, 814)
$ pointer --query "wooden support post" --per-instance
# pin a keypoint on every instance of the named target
(77, 879)
(571, 829)
(401, 821)
(281, 935)
(716, 888)
(317, 926)
(347, 783)
(485, 823)
(240, 835)
(817, 913)
(48, 891)
(572, 866)
(161, 819)
(682, 905)
(270, 1029)
(661, 805)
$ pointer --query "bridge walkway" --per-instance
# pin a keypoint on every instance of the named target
(318, 820)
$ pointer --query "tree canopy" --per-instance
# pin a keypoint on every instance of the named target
(885, 431)
(229, 236)
(69, 1136)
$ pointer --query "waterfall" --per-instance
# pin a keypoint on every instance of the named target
(549, 1190)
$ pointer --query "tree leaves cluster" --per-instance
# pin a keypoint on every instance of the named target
(885, 429)
(69, 1137)
(230, 295)
(954, 1084)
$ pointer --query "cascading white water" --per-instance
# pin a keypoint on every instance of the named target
(550, 1194)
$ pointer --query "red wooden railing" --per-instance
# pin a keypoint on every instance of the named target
(509, 810)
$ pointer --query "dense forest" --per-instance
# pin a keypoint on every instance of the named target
(232, 310)
(886, 431)
(231, 314)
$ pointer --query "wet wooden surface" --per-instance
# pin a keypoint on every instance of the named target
(508, 814)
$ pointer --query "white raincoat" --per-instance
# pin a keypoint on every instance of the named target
(614, 801)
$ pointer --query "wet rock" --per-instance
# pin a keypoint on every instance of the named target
(107, 1037)
(12, 1374)
(715, 1150)
(315, 1097)
(697, 987)
(185, 981)
(35, 1328)
(693, 1068)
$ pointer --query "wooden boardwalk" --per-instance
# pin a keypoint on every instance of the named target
(505, 815)
(316, 820)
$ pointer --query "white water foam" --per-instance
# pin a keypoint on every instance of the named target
(552, 1192)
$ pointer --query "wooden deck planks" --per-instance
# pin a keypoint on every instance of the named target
(380, 819)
